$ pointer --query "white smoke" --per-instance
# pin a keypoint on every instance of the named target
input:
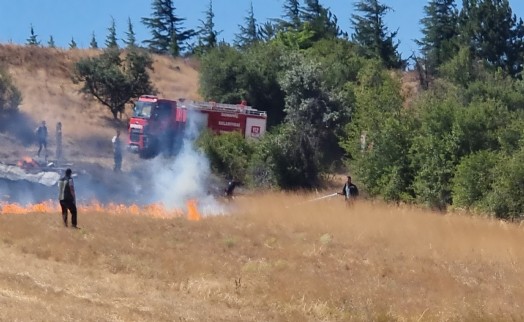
(188, 175)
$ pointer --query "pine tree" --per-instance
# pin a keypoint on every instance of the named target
(440, 30)
(93, 44)
(291, 18)
(51, 42)
(207, 35)
(267, 31)
(248, 34)
(320, 19)
(111, 40)
(372, 34)
(72, 44)
(167, 34)
(33, 38)
(130, 40)
(493, 33)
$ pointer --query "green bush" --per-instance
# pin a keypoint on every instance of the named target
(474, 179)
(229, 153)
(288, 158)
(506, 200)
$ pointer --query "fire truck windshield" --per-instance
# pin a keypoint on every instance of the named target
(143, 109)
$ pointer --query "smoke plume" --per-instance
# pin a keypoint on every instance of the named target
(188, 176)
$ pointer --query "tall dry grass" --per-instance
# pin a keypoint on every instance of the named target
(274, 258)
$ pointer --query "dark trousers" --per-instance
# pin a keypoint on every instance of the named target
(71, 206)
(42, 144)
(118, 162)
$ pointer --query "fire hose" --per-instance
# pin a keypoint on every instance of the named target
(316, 199)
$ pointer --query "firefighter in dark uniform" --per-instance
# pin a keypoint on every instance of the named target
(230, 189)
(349, 191)
(67, 197)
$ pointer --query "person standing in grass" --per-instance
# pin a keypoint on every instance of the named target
(117, 152)
(41, 136)
(67, 197)
(349, 190)
(58, 134)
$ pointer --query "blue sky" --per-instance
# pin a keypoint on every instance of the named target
(64, 19)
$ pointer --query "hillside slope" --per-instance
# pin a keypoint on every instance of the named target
(43, 76)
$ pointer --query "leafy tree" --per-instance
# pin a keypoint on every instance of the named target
(306, 100)
(440, 31)
(93, 44)
(10, 95)
(248, 34)
(220, 78)
(72, 44)
(339, 61)
(372, 34)
(309, 105)
(512, 133)
(459, 69)
(113, 81)
(51, 42)
(473, 180)
(111, 40)
(385, 166)
(130, 40)
(33, 38)
(507, 198)
(168, 36)
(303, 38)
(230, 75)
(261, 81)
(288, 158)
(493, 33)
(379, 135)
(229, 153)
(434, 152)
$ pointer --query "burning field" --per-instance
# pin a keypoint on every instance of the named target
(271, 258)
(153, 210)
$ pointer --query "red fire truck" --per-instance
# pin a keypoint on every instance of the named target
(158, 124)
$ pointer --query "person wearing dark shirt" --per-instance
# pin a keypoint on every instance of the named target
(349, 190)
(230, 189)
(67, 197)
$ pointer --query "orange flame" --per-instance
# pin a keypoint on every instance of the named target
(153, 210)
(192, 210)
(27, 163)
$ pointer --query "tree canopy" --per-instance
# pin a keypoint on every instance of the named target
(113, 80)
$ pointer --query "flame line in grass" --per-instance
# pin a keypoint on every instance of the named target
(152, 210)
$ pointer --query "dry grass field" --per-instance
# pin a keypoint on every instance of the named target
(271, 258)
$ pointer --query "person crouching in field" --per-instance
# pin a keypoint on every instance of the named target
(349, 191)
